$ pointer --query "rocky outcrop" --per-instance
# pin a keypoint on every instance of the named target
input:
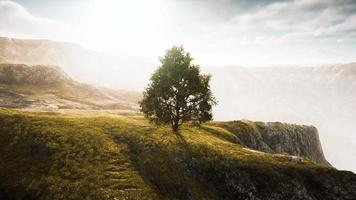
(22, 74)
(277, 137)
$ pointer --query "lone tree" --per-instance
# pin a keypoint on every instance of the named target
(177, 92)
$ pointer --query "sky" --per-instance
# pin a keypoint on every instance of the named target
(215, 32)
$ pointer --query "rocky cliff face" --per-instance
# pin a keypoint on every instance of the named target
(276, 137)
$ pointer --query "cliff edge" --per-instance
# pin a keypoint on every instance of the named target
(277, 137)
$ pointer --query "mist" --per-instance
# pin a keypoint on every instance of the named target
(322, 96)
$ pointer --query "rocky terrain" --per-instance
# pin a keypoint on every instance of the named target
(49, 87)
(276, 137)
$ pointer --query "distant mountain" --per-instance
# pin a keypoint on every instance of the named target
(39, 51)
(285, 87)
(40, 86)
(80, 63)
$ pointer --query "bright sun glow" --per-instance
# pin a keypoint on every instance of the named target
(122, 26)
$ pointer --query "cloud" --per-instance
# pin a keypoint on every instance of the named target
(16, 21)
(347, 27)
(216, 32)
(299, 19)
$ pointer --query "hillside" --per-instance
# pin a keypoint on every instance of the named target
(39, 51)
(80, 63)
(107, 156)
(39, 86)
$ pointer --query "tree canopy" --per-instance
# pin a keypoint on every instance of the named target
(177, 92)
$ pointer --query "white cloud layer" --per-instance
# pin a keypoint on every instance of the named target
(16, 21)
(303, 19)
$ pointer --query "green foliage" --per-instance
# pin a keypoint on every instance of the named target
(177, 92)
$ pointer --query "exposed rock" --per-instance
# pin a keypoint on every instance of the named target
(276, 137)
(35, 75)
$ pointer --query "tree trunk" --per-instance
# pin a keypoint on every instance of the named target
(175, 128)
(175, 125)
(176, 119)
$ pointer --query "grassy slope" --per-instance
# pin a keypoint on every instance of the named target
(50, 85)
(105, 156)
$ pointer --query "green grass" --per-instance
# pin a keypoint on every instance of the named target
(97, 156)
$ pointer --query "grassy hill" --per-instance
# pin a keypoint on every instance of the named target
(43, 86)
(51, 155)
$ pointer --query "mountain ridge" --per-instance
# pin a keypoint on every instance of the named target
(81, 63)
(43, 86)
